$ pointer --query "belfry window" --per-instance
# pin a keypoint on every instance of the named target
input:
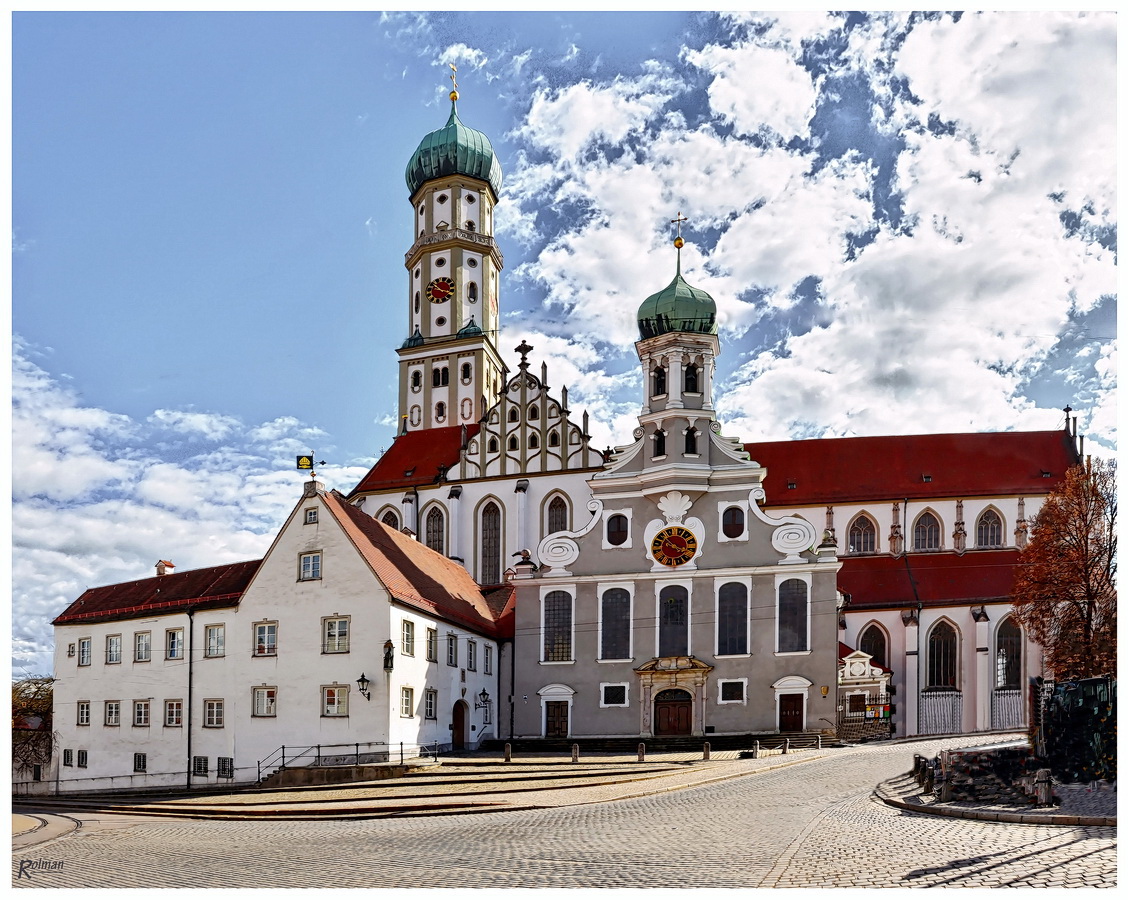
(691, 440)
(467, 372)
(659, 443)
(513, 414)
(416, 380)
(554, 439)
(659, 381)
(472, 292)
(691, 380)
(440, 411)
(534, 442)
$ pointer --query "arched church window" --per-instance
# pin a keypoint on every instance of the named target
(469, 225)
(416, 380)
(440, 411)
(659, 381)
(472, 291)
(942, 657)
(792, 616)
(989, 530)
(557, 515)
(467, 372)
(436, 530)
(435, 377)
(691, 440)
(732, 619)
(863, 535)
(872, 642)
(490, 568)
(926, 534)
(391, 520)
(673, 621)
(444, 376)
(691, 380)
(1008, 655)
(417, 301)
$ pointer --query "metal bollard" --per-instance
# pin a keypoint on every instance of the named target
(705, 755)
(575, 753)
(756, 750)
(642, 752)
(786, 744)
(508, 752)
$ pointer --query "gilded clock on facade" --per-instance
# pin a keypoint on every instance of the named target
(440, 289)
(673, 546)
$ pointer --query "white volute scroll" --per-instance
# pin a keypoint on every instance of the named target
(793, 535)
(559, 550)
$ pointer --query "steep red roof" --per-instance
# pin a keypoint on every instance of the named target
(939, 579)
(413, 573)
(865, 469)
(503, 604)
(210, 588)
(414, 459)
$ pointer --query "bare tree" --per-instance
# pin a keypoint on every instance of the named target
(1065, 582)
(33, 739)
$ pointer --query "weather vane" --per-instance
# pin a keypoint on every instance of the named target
(679, 242)
(454, 84)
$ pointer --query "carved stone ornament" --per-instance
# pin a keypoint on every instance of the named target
(674, 506)
(560, 550)
(792, 536)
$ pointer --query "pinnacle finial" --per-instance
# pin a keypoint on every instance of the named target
(453, 82)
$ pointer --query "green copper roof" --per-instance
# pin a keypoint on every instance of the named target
(470, 329)
(677, 307)
(416, 340)
(453, 150)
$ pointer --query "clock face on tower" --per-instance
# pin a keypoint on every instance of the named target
(673, 546)
(440, 289)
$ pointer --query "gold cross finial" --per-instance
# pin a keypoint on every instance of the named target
(679, 242)
(453, 81)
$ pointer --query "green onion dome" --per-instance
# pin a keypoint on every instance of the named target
(453, 150)
(470, 329)
(677, 307)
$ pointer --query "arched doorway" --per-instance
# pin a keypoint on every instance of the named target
(673, 712)
(460, 716)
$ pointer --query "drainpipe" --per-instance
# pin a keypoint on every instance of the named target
(919, 607)
(188, 711)
(512, 681)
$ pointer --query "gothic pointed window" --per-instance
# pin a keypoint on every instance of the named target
(691, 380)
(1008, 655)
(554, 439)
(673, 621)
(863, 535)
(492, 446)
(391, 520)
(732, 619)
(534, 413)
(534, 442)
(659, 381)
(691, 440)
(557, 515)
(490, 568)
(792, 617)
(989, 530)
(513, 414)
(436, 530)
(942, 657)
(872, 642)
(926, 533)
(513, 442)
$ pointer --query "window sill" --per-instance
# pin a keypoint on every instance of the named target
(733, 656)
(627, 660)
(556, 662)
(178, 725)
(658, 458)
(732, 703)
(142, 660)
(113, 662)
(692, 455)
(213, 655)
(614, 706)
(793, 653)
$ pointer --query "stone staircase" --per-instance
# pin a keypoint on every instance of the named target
(679, 744)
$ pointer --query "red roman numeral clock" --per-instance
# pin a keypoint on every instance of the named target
(673, 546)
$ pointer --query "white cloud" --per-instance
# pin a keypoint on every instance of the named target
(210, 426)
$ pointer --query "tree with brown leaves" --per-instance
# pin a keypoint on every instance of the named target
(1065, 582)
(32, 738)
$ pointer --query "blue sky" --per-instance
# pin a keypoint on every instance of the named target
(908, 223)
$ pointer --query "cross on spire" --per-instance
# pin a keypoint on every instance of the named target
(524, 350)
(454, 82)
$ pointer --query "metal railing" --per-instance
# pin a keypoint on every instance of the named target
(355, 754)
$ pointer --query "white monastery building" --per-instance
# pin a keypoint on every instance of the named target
(494, 577)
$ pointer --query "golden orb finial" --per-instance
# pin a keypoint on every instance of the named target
(679, 242)
(454, 95)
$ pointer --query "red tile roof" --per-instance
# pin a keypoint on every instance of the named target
(939, 579)
(413, 573)
(414, 459)
(210, 588)
(865, 469)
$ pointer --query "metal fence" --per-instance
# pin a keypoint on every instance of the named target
(941, 712)
(1008, 709)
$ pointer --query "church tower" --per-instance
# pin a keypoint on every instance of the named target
(449, 364)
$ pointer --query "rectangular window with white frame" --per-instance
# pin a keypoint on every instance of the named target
(174, 713)
(266, 639)
(265, 700)
(732, 690)
(213, 713)
(113, 713)
(84, 651)
(113, 649)
(472, 656)
(430, 704)
(614, 695)
(487, 661)
(334, 701)
(452, 650)
(793, 615)
(174, 643)
(214, 640)
(141, 713)
(407, 702)
(336, 635)
(309, 566)
(142, 646)
(83, 758)
(83, 712)
(556, 626)
(407, 637)
(432, 645)
(311, 516)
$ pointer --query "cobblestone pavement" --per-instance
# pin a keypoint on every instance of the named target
(814, 824)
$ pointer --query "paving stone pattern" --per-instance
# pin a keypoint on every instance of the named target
(813, 824)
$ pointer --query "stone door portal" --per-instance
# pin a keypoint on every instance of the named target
(556, 718)
(790, 712)
(673, 712)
